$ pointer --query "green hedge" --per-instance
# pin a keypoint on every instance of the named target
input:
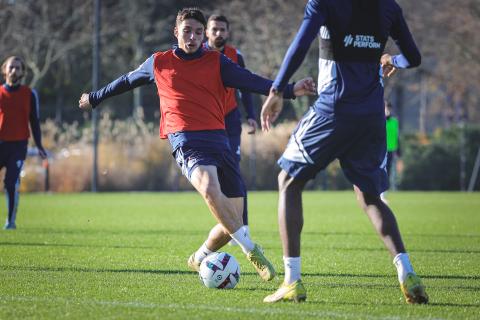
(433, 163)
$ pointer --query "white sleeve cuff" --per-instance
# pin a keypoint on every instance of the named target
(399, 61)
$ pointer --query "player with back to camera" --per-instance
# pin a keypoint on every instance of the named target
(191, 83)
(18, 109)
(347, 122)
(218, 33)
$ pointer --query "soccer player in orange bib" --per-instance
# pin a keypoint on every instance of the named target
(18, 110)
(192, 85)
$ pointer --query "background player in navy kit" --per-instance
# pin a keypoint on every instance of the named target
(218, 33)
(393, 144)
(346, 122)
(18, 109)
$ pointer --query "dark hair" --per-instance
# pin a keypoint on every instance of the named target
(191, 13)
(219, 17)
(12, 58)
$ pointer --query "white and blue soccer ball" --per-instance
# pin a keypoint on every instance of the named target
(220, 270)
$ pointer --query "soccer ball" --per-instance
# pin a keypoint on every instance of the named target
(220, 270)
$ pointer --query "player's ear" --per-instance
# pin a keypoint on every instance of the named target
(175, 32)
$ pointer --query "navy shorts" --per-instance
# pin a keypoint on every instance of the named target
(359, 144)
(235, 146)
(228, 170)
(12, 156)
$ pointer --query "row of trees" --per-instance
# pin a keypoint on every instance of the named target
(55, 39)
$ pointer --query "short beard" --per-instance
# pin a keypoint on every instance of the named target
(220, 43)
(14, 80)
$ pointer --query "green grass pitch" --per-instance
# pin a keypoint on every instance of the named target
(123, 256)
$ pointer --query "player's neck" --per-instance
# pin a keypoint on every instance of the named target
(12, 84)
(188, 56)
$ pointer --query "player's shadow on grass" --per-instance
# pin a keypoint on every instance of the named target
(93, 230)
(348, 303)
(93, 270)
(366, 275)
(43, 244)
(366, 303)
(447, 304)
(369, 233)
(255, 289)
(156, 271)
(119, 231)
(382, 249)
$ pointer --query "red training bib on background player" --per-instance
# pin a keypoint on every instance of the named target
(15, 113)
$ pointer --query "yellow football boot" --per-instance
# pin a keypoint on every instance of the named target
(293, 292)
(414, 290)
(264, 268)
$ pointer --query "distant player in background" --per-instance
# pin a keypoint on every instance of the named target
(347, 122)
(191, 83)
(218, 33)
(393, 143)
(18, 110)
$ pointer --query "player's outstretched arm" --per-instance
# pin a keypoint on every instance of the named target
(141, 76)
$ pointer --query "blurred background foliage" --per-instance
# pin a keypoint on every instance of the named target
(134, 158)
(437, 104)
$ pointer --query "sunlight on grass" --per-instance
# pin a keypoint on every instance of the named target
(124, 255)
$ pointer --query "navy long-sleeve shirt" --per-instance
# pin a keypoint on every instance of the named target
(347, 89)
(233, 76)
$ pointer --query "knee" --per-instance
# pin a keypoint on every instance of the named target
(210, 191)
(365, 199)
(360, 198)
(10, 185)
(283, 181)
(287, 184)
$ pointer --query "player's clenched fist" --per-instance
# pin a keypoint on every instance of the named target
(388, 69)
(84, 102)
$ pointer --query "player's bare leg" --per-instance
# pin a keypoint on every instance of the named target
(290, 221)
(290, 213)
(386, 226)
(228, 212)
(217, 238)
(383, 221)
